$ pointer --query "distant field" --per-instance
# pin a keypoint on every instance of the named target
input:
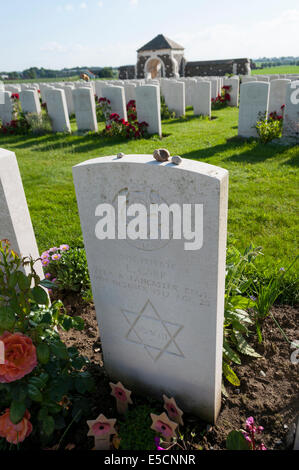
(58, 79)
(41, 80)
(278, 69)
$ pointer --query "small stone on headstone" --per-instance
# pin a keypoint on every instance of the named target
(176, 160)
(120, 155)
(161, 155)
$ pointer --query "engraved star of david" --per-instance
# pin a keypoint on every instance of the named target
(156, 335)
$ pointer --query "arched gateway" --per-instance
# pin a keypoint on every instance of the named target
(161, 57)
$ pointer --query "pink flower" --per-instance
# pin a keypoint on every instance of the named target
(45, 254)
(120, 394)
(15, 433)
(53, 249)
(56, 257)
(172, 411)
(45, 261)
(163, 429)
(64, 247)
(100, 428)
(20, 357)
(48, 275)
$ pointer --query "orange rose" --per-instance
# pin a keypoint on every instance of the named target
(20, 357)
(15, 433)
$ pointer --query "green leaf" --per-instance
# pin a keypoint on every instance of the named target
(83, 383)
(42, 414)
(243, 346)
(78, 323)
(13, 279)
(43, 353)
(259, 333)
(23, 281)
(59, 349)
(230, 353)
(230, 375)
(47, 284)
(34, 393)
(19, 392)
(48, 425)
(17, 411)
(7, 318)
(236, 441)
(40, 295)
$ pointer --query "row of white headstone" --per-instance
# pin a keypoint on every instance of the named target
(179, 94)
(262, 98)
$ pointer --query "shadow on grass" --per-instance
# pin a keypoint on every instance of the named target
(256, 154)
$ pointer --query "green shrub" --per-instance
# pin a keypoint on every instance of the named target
(42, 384)
(39, 124)
(67, 268)
(268, 128)
(165, 113)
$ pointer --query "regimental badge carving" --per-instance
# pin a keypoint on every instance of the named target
(145, 196)
(148, 329)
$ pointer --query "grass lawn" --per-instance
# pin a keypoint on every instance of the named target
(262, 191)
(278, 69)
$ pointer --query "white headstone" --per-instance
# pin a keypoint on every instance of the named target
(15, 220)
(68, 90)
(201, 98)
(116, 95)
(174, 93)
(30, 102)
(234, 83)
(247, 79)
(291, 112)
(85, 109)
(130, 92)
(57, 110)
(254, 99)
(6, 109)
(159, 305)
(148, 107)
(278, 94)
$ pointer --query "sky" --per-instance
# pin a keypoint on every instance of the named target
(56, 34)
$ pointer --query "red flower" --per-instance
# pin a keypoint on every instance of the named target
(15, 96)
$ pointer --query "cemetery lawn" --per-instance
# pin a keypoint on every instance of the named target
(277, 69)
(262, 190)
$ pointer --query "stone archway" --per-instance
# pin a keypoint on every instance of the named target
(153, 68)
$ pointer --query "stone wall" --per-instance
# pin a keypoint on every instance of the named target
(127, 72)
(217, 67)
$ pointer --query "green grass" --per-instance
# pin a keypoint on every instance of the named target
(278, 69)
(42, 80)
(262, 191)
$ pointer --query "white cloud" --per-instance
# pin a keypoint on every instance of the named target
(134, 2)
(53, 47)
(274, 37)
(83, 5)
(100, 4)
(69, 7)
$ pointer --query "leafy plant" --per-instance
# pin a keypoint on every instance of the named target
(135, 432)
(165, 113)
(41, 381)
(266, 295)
(268, 128)
(39, 124)
(222, 99)
(67, 268)
(236, 318)
(246, 440)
